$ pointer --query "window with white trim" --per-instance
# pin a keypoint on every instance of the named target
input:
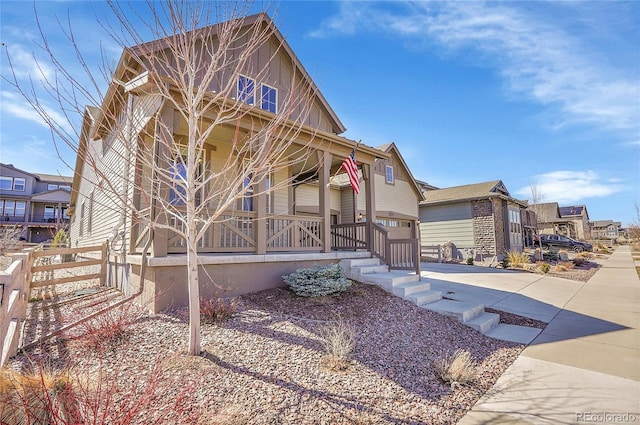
(269, 96)
(52, 186)
(6, 183)
(90, 218)
(388, 175)
(82, 214)
(246, 90)
(19, 184)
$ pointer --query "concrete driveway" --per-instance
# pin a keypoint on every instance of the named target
(584, 367)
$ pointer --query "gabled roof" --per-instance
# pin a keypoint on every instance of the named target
(469, 192)
(602, 223)
(53, 178)
(391, 147)
(127, 63)
(547, 212)
(574, 210)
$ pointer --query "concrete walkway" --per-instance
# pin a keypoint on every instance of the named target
(584, 367)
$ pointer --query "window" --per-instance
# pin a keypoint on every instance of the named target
(65, 187)
(18, 184)
(178, 193)
(269, 98)
(389, 174)
(246, 90)
(49, 212)
(20, 209)
(82, 213)
(6, 183)
(52, 186)
(90, 218)
(247, 199)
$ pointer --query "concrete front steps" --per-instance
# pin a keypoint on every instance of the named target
(408, 286)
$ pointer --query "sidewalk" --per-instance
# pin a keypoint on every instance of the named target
(585, 366)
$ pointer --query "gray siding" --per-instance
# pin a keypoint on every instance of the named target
(442, 223)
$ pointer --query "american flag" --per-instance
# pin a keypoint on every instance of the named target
(351, 167)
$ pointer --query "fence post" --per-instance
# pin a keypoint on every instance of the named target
(439, 253)
(105, 261)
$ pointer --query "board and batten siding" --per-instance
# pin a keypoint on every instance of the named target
(307, 195)
(399, 197)
(442, 223)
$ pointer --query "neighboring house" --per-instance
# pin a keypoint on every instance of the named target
(37, 202)
(480, 219)
(396, 197)
(580, 217)
(258, 242)
(605, 229)
(551, 222)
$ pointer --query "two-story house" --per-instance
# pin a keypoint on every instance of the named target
(130, 171)
(37, 202)
(579, 215)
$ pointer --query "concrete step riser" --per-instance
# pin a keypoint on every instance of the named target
(370, 269)
(484, 322)
(405, 291)
(427, 297)
(387, 282)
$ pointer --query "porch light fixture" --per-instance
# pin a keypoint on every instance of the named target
(359, 216)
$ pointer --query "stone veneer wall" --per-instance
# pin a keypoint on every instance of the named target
(483, 227)
(501, 225)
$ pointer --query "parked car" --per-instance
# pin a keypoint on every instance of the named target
(559, 241)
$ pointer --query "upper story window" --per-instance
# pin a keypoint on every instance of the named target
(388, 175)
(6, 183)
(52, 186)
(16, 184)
(246, 90)
(269, 98)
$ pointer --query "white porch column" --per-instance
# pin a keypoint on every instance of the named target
(260, 208)
(164, 133)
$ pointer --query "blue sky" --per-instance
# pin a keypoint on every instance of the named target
(544, 93)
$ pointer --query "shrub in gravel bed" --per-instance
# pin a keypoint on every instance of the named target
(338, 341)
(217, 310)
(456, 369)
(317, 281)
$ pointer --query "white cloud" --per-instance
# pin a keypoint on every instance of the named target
(15, 105)
(24, 66)
(543, 61)
(567, 187)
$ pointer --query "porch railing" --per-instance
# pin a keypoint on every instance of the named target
(349, 236)
(294, 232)
(398, 254)
(229, 233)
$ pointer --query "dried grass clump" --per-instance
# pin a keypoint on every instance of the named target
(338, 340)
(32, 397)
(567, 264)
(518, 259)
(217, 310)
(457, 369)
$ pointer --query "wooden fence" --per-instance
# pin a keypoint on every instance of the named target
(17, 281)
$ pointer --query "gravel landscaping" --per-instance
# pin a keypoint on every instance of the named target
(266, 364)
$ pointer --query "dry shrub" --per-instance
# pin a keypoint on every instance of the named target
(29, 398)
(585, 255)
(77, 395)
(567, 265)
(518, 259)
(110, 328)
(217, 310)
(457, 369)
(338, 341)
(544, 267)
(560, 268)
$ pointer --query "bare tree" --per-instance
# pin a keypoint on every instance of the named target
(538, 208)
(634, 228)
(165, 103)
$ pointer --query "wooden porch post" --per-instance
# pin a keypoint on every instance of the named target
(324, 158)
(370, 201)
(260, 208)
(164, 132)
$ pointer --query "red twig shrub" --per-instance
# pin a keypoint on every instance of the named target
(216, 310)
